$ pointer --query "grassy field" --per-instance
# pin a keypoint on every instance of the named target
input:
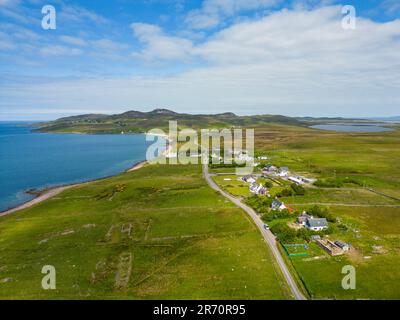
(159, 232)
(373, 221)
(372, 159)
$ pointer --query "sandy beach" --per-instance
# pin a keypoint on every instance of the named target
(49, 193)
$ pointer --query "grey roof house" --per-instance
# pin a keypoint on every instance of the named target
(317, 224)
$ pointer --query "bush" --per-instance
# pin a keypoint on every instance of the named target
(294, 190)
(276, 214)
(285, 193)
(285, 234)
(228, 165)
(259, 203)
(298, 189)
(328, 183)
(268, 184)
(316, 211)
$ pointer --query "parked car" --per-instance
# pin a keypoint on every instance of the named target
(266, 227)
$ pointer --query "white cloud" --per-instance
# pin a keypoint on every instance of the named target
(290, 62)
(78, 14)
(73, 40)
(213, 11)
(58, 50)
(157, 45)
(9, 2)
(6, 43)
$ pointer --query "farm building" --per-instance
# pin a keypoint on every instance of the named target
(330, 247)
(296, 180)
(342, 245)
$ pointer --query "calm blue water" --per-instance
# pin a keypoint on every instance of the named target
(351, 128)
(37, 160)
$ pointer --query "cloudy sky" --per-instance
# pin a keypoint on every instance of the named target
(199, 56)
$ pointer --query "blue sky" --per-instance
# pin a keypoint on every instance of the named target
(245, 56)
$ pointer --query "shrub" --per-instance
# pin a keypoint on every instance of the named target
(298, 189)
(285, 193)
(283, 233)
(268, 184)
(259, 203)
(316, 211)
(328, 183)
(276, 214)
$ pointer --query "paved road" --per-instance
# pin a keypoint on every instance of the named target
(267, 234)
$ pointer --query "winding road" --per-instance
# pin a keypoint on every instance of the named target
(267, 234)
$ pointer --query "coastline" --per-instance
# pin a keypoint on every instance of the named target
(53, 191)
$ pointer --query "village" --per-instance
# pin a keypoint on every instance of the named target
(263, 197)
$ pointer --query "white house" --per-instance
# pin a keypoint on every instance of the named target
(257, 189)
(302, 219)
(296, 180)
(243, 157)
(249, 178)
(317, 224)
(270, 168)
(283, 171)
(277, 205)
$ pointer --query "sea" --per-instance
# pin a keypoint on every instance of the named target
(31, 160)
(351, 128)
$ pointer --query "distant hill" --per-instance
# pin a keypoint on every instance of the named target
(137, 121)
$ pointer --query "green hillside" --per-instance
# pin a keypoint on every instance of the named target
(136, 121)
(159, 232)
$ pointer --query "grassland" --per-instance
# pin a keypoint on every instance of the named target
(371, 160)
(186, 241)
(156, 233)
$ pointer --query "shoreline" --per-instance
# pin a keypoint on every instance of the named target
(53, 191)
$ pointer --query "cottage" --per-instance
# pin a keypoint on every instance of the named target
(302, 219)
(258, 189)
(283, 171)
(248, 178)
(317, 224)
(277, 205)
(270, 168)
(243, 156)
